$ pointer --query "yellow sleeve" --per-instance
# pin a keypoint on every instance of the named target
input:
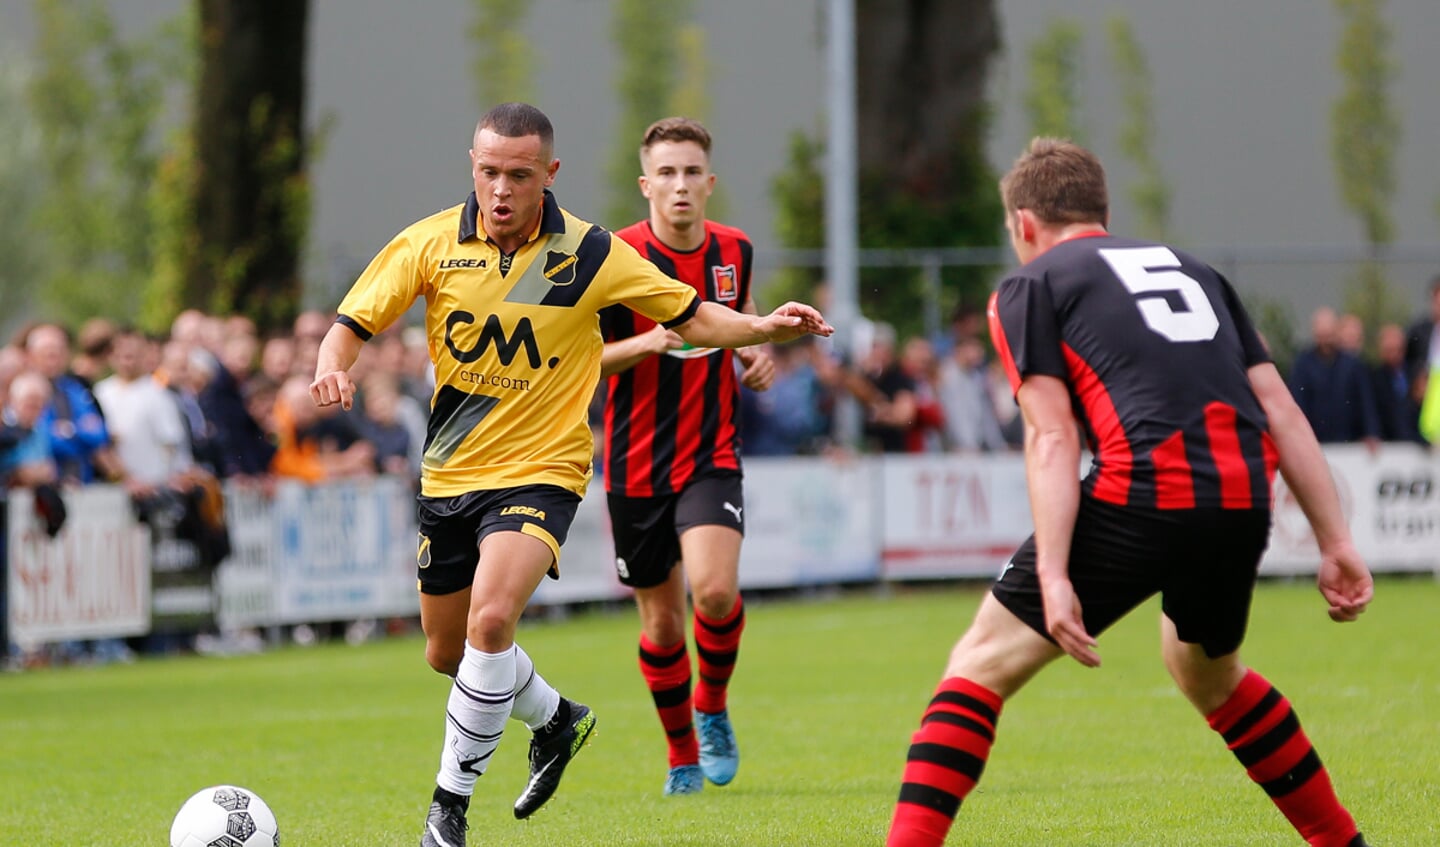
(387, 288)
(637, 283)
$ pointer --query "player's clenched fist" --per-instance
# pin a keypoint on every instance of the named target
(331, 388)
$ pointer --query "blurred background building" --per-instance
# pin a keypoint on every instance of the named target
(1243, 95)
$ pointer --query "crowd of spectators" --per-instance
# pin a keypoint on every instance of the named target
(170, 418)
(214, 400)
(1352, 391)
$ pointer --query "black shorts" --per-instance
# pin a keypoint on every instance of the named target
(1203, 562)
(451, 529)
(647, 529)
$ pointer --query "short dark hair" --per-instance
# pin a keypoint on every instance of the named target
(675, 130)
(1058, 180)
(517, 120)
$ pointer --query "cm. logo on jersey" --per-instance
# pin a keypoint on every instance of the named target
(493, 333)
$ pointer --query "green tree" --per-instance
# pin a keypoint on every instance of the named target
(924, 179)
(660, 53)
(97, 104)
(250, 197)
(20, 191)
(1365, 131)
(1149, 192)
(798, 192)
(1052, 100)
(504, 62)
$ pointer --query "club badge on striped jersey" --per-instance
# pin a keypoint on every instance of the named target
(727, 282)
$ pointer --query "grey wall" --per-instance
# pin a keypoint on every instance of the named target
(1243, 91)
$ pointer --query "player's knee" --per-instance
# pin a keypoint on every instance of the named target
(490, 629)
(443, 658)
(1001, 659)
(714, 601)
(664, 627)
(1207, 683)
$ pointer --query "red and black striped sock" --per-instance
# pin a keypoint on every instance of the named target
(947, 756)
(1262, 731)
(667, 674)
(717, 643)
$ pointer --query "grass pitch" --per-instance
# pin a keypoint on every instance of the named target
(343, 742)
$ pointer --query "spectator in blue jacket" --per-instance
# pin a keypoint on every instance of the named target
(79, 441)
(25, 458)
(1333, 388)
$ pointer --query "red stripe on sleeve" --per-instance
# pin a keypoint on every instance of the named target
(1113, 455)
(1229, 460)
(1002, 344)
(1174, 485)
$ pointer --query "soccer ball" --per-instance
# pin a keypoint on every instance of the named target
(224, 816)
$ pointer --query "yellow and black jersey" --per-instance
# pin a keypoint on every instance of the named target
(515, 339)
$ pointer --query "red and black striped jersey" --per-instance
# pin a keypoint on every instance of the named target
(674, 417)
(1155, 347)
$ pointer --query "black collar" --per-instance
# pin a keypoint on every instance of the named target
(552, 221)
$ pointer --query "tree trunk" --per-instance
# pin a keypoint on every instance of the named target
(251, 198)
(924, 178)
(922, 69)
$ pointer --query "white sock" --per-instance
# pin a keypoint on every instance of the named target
(480, 701)
(535, 699)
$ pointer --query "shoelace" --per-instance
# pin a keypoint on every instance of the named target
(717, 738)
(450, 813)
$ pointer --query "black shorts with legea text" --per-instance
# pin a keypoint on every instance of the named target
(1203, 563)
(451, 529)
(647, 529)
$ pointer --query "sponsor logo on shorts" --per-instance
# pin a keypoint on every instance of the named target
(733, 509)
(422, 554)
(621, 568)
(527, 511)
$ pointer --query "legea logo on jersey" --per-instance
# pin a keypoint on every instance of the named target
(727, 282)
(560, 268)
(492, 332)
(460, 264)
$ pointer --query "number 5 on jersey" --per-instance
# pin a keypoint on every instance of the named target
(1149, 273)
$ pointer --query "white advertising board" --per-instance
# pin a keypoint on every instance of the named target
(951, 515)
(344, 550)
(1391, 497)
(90, 581)
(810, 521)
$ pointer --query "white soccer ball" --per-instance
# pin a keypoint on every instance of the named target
(225, 816)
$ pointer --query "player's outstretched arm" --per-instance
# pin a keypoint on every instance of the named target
(626, 353)
(1052, 466)
(338, 352)
(1344, 579)
(716, 326)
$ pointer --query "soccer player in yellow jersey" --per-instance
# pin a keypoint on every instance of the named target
(513, 285)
